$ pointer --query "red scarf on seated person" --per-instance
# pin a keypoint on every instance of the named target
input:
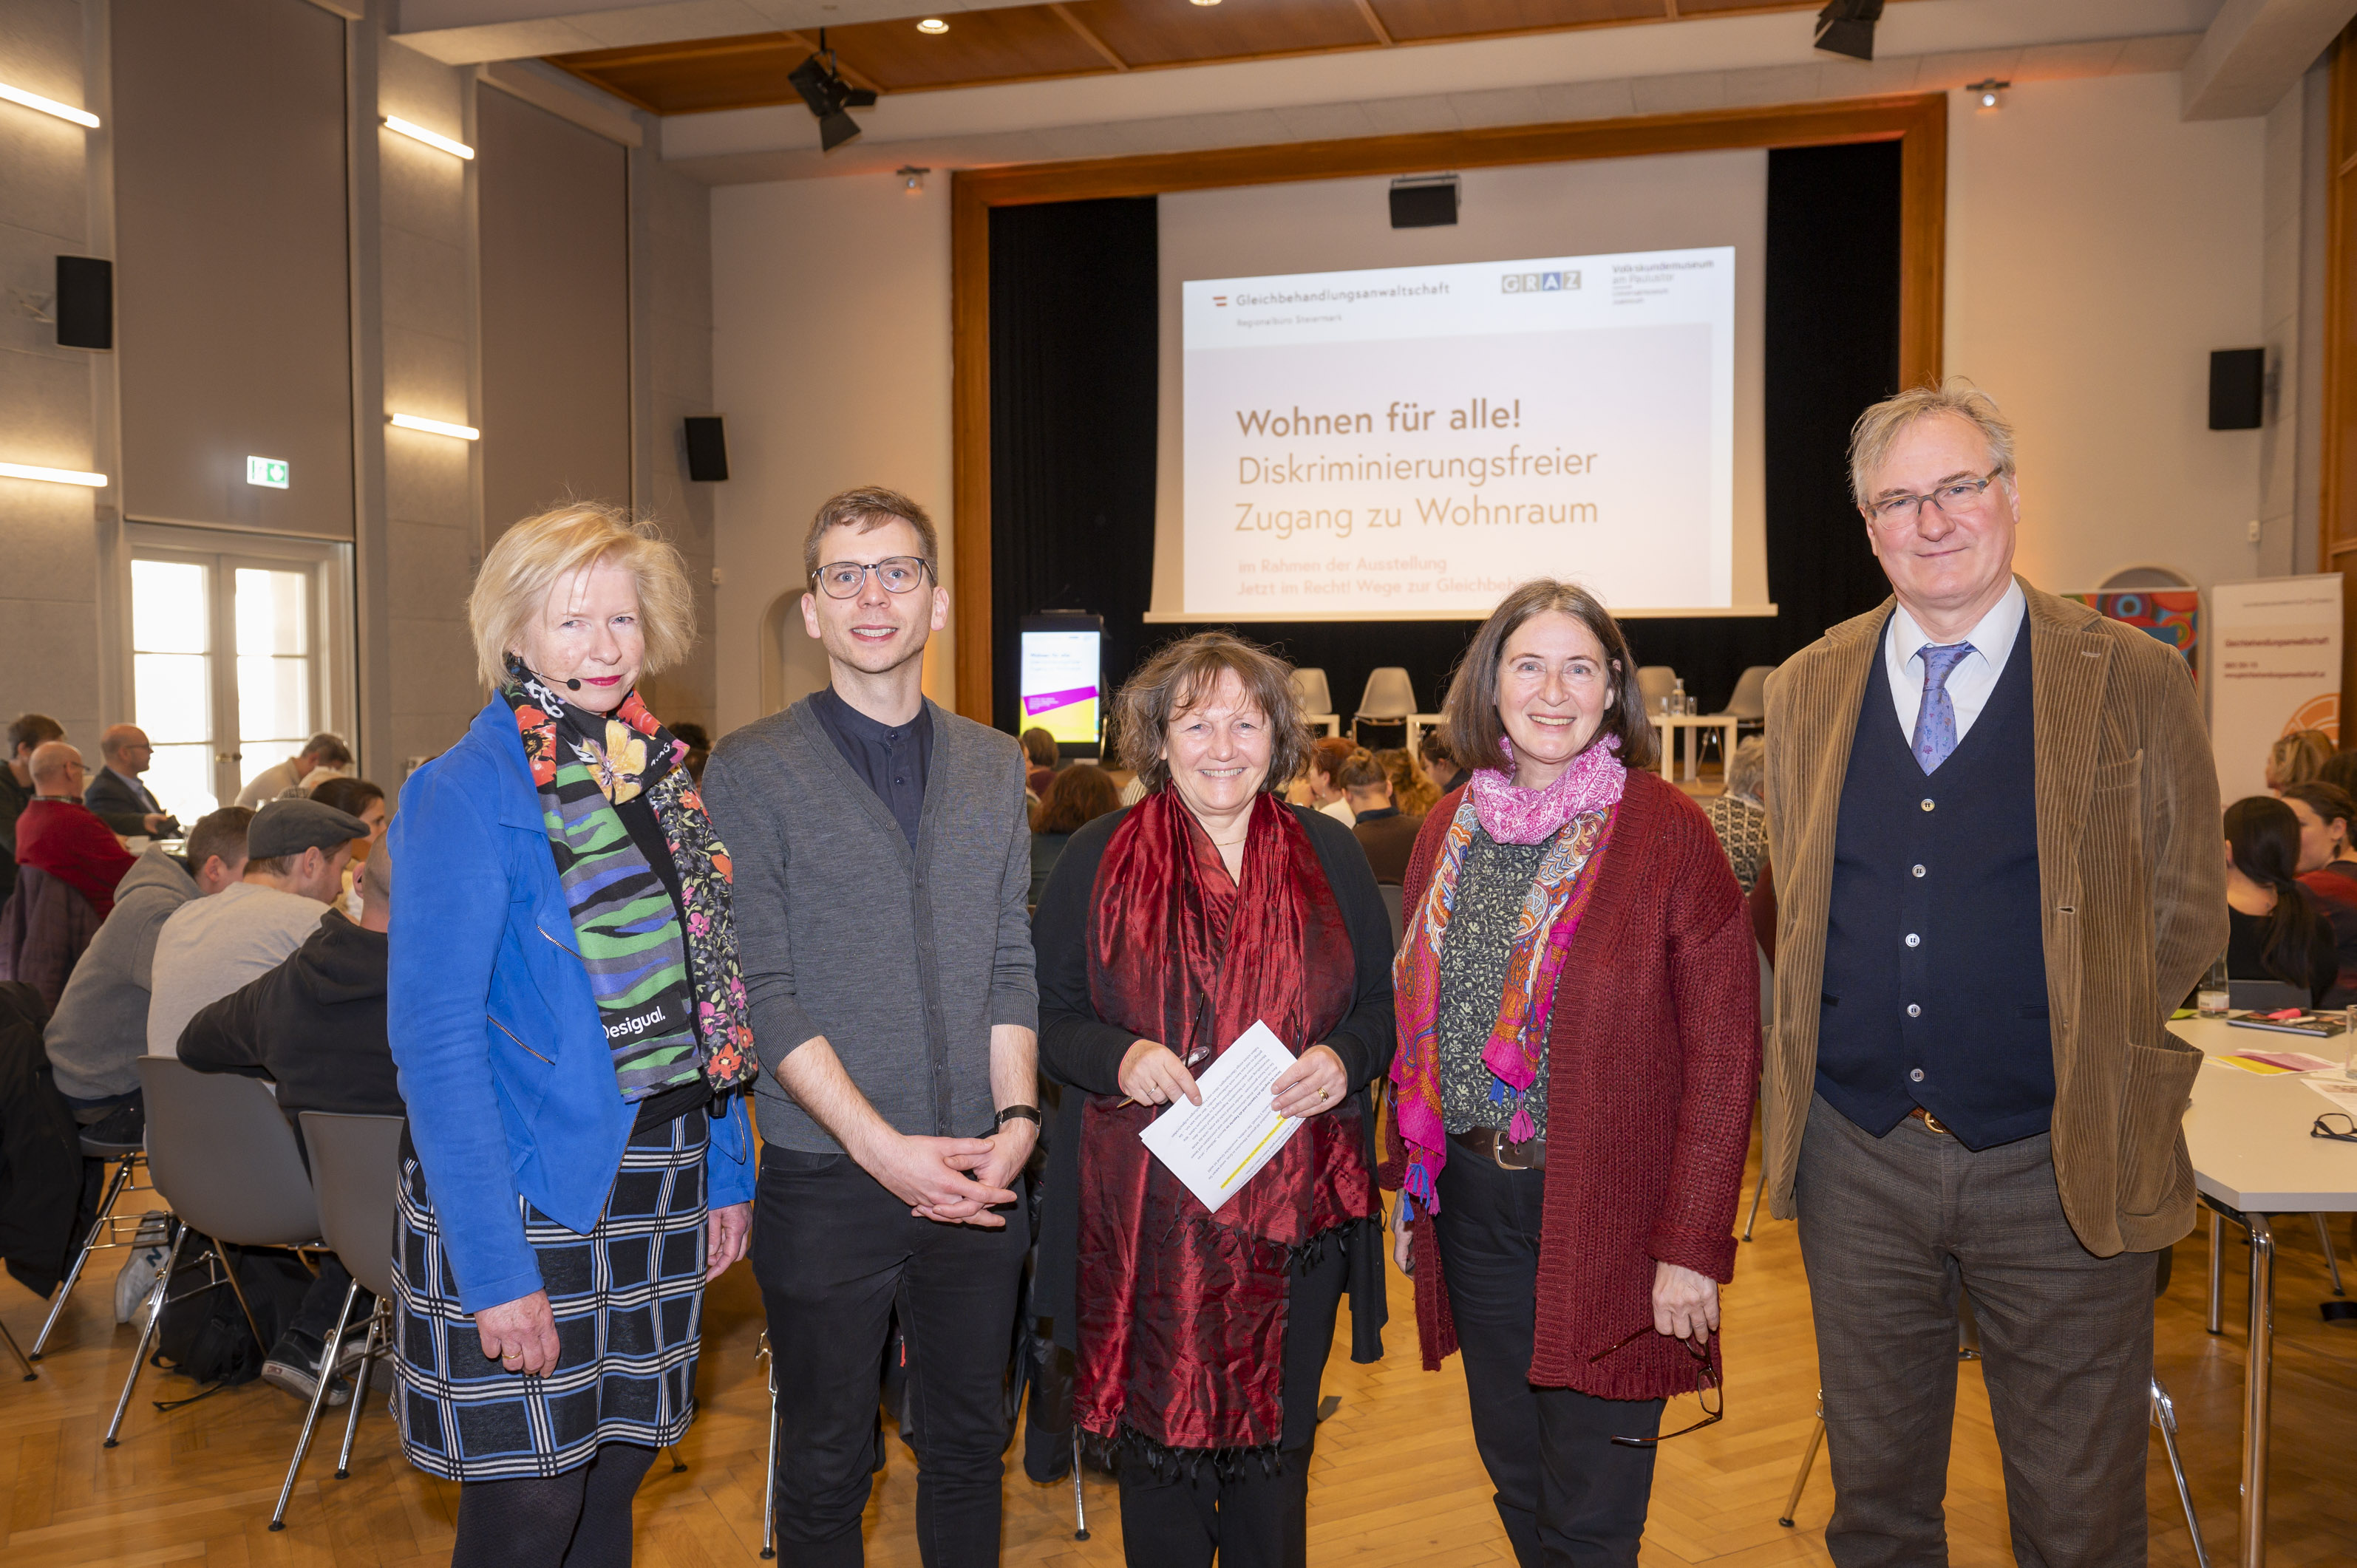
(1182, 1311)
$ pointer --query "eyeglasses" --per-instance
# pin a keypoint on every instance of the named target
(1958, 497)
(899, 574)
(2336, 1125)
(1706, 1389)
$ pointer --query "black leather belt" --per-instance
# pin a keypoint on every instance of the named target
(1490, 1144)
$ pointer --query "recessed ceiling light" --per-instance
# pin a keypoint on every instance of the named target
(932, 25)
(1207, 2)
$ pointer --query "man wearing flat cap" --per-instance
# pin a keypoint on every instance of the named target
(296, 852)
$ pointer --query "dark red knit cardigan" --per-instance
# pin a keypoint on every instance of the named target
(1653, 1063)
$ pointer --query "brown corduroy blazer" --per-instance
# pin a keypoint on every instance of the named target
(2132, 888)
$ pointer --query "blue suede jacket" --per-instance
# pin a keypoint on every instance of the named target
(504, 1066)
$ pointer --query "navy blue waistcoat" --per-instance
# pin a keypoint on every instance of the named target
(1935, 961)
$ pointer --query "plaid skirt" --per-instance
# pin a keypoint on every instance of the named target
(628, 1300)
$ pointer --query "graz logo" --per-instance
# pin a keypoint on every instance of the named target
(1537, 283)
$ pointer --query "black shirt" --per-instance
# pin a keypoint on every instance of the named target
(2314, 971)
(893, 760)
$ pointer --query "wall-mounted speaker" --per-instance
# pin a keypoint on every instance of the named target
(1425, 201)
(85, 307)
(707, 448)
(2238, 388)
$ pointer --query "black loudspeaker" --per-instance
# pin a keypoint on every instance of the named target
(2238, 388)
(1424, 203)
(85, 306)
(707, 448)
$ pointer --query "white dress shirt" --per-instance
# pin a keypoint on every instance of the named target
(1975, 674)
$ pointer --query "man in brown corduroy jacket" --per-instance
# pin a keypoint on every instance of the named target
(1995, 847)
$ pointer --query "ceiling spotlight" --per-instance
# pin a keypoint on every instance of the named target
(1207, 2)
(820, 81)
(1847, 28)
(1989, 94)
(932, 25)
(911, 178)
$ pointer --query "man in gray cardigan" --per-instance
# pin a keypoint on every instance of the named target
(881, 860)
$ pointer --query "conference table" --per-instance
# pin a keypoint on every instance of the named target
(1691, 727)
(2253, 1158)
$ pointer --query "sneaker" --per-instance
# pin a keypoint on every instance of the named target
(137, 1277)
(294, 1365)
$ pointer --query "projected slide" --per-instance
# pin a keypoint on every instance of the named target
(1059, 683)
(1417, 440)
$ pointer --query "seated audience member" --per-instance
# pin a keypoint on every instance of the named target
(115, 792)
(1081, 794)
(366, 801)
(1740, 816)
(99, 1029)
(1438, 763)
(1411, 791)
(64, 837)
(2276, 931)
(26, 735)
(2340, 770)
(2328, 869)
(297, 851)
(699, 747)
(2297, 757)
(1382, 829)
(1325, 759)
(322, 750)
(314, 1026)
(1039, 759)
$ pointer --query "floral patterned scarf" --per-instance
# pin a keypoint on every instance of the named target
(1577, 811)
(668, 989)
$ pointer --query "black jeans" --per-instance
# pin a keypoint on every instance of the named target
(835, 1253)
(1568, 1494)
(1252, 1519)
(316, 1316)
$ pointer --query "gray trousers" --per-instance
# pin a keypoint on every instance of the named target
(1892, 1229)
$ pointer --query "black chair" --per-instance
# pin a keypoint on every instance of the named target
(105, 1232)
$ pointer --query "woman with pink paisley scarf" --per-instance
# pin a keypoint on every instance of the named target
(1577, 1007)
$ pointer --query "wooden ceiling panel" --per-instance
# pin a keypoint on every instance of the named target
(1419, 21)
(696, 75)
(1021, 42)
(1175, 32)
(1723, 7)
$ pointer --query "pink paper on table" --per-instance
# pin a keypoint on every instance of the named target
(2278, 1061)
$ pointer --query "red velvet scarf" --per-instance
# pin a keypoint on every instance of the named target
(1181, 1312)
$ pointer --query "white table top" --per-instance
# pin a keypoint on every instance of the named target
(2248, 1133)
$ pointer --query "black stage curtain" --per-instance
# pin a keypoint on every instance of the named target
(1073, 345)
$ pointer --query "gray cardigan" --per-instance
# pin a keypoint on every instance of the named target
(903, 959)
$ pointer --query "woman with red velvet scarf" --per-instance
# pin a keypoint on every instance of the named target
(1165, 932)
(1578, 1049)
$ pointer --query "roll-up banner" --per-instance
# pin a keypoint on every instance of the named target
(2275, 664)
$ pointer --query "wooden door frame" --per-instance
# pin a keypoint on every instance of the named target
(1918, 122)
(2336, 527)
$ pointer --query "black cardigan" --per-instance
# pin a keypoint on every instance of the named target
(1081, 1053)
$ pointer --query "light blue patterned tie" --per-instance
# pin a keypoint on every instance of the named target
(1935, 719)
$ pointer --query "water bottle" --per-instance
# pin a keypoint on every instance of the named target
(1678, 696)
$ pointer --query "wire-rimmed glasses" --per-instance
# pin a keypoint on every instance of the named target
(1707, 1388)
(1956, 497)
(898, 574)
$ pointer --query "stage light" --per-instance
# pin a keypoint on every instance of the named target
(1989, 94)
(1847, 28)
(911, 178)
(435, 426)
(50, 106)
(932, 25)
(52, 476)
(430, 138)
(820, 81)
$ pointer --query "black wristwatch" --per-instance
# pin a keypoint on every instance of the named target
(1027, 1113)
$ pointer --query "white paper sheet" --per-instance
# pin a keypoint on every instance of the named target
(1219, 1146)
(2340, 1091)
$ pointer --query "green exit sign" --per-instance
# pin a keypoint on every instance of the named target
(269, 472)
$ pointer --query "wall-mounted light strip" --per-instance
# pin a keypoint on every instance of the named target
(53, 476)
(51, 106)
(430, 138)
(436, 426)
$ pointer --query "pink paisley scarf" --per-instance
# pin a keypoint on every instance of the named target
(1577, 811)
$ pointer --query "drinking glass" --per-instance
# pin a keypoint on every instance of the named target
(2213, 999)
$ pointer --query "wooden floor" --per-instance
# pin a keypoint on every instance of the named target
(1395, 1478)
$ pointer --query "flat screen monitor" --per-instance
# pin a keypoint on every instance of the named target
(1062, 669)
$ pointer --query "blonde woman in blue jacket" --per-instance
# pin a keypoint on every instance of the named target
(566, 1012)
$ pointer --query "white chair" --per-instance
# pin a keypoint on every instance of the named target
(1390, 699)
(1316, 702)
(1750, 703)
(1656, 681)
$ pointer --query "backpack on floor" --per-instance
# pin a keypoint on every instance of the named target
(204, 1333)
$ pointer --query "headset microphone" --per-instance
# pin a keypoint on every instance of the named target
(574, 685)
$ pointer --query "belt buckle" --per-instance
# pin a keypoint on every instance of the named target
(1934, 1122)
(1498, 1146)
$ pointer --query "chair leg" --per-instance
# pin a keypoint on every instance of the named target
(2164, 1416)
(2217, 1290)
(318, 1399)
(115, 1186)
(2331, 1259)
(376, 1340)
(769, 1472)
(1808, 1461)
(1757, 1194)
(13, 1351)
(1079, 1497)
(147, 1334)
